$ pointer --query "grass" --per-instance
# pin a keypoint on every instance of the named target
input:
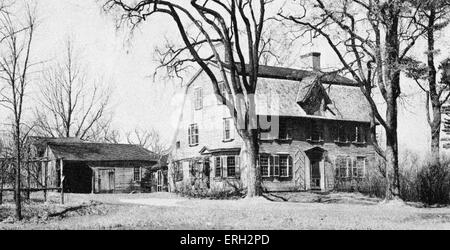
(168, 211)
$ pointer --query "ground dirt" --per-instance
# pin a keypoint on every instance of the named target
(275, 211)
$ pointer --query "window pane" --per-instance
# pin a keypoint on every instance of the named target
(218, 168)
(284, 165)
(231, 166)
(137, 174)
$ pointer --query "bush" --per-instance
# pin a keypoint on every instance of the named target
(433, 183)
(188, 190)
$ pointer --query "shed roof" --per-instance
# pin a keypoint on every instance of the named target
(92, 152)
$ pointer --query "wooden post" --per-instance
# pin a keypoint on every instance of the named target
(61, 167)
(45, 179)
(93, 181)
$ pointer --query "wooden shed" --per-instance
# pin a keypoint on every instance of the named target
(96, 167)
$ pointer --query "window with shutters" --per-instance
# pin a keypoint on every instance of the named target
(193, 135)
(226, 166)
(198, 98)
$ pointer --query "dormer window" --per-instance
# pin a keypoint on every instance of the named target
(313, 98)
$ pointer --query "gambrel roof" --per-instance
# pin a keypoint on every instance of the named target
(281, 91)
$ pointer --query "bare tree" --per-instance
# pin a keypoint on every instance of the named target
(16, 39)
(202, 24)
(72, 104)
(370, 38)
(149, 139)
(432, 17)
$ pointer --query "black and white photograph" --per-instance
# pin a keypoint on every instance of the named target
(230, 116)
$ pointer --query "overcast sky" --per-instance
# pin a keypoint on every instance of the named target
(138, 101)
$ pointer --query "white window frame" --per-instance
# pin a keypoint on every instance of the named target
(288, 162)
(193, 134)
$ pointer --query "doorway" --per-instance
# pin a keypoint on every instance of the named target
(316, 168)
(315, 175)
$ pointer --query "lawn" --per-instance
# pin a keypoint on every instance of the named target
(278, 211)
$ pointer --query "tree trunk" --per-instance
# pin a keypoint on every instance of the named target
(436, 133)
(17, 186)
(249, 156)
(435, 122)
(392, 75)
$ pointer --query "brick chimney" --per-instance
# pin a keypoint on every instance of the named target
(312, 60)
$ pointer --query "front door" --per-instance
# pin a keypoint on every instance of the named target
(315, 175)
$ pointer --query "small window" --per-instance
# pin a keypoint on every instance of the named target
(231, 166)
(178, 144)
(316, 131)
(137, 174)
(342, 133)
(360, 134)
(193, 135)
(283, 130)
(198, 98)
(227, 131)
